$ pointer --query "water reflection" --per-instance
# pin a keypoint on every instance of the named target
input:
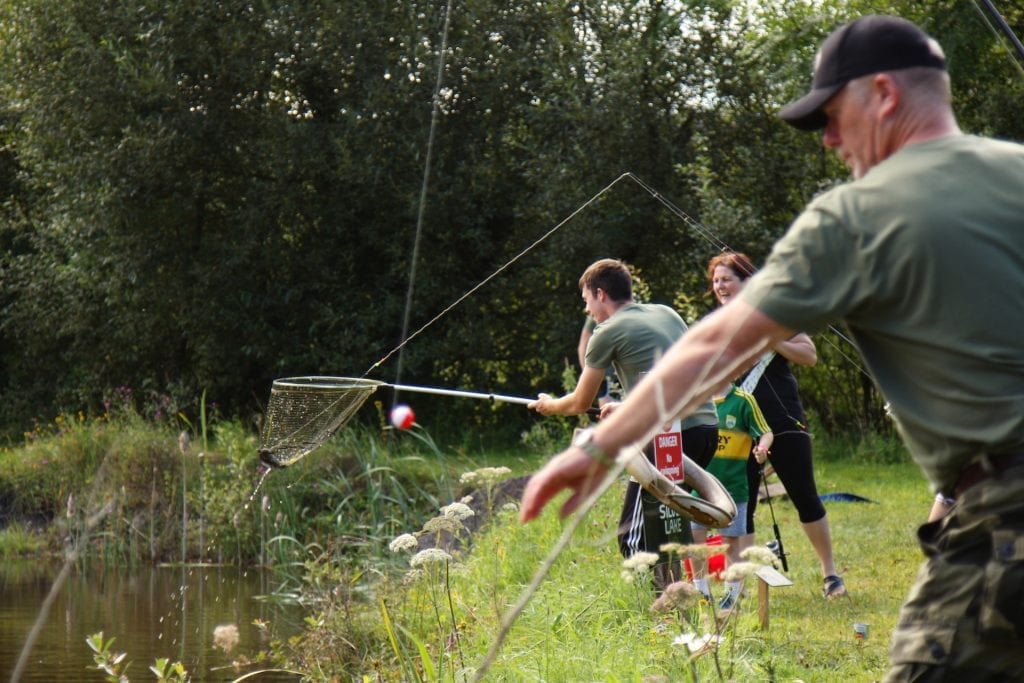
(151, 612)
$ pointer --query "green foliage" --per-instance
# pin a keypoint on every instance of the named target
(109, 662)
(16, 540)
(206, 196)
(115, 667)
(336, 505)
(166, 670)
(872, 449)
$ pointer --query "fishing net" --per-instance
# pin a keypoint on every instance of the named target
(303, 412)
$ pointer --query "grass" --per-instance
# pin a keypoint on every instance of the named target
(18, 541)
(329, 519)
(587, 623)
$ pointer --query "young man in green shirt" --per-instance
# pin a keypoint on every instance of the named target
(630, 337)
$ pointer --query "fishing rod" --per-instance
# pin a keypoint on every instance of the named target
(780, 550)
(1004, 27)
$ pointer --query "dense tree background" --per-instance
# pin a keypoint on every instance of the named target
(203, 196)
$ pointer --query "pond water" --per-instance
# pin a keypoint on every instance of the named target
(150, 611)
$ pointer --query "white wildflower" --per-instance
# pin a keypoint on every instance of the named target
(403, 542)
(760, 555)
(412, 576)
(225, 637)
(641, 561)
(739, 571)
(449, 524)
(459, 511)
(429, 556)
(627, 576)
(693, 642)
(510, 507)
(676, 595)
(485, 476)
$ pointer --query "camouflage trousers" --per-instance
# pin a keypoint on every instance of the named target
(964, 617)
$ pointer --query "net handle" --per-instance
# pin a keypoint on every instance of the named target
(501, 398)
(354, 382)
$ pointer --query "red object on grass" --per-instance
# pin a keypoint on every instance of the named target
(716, 563)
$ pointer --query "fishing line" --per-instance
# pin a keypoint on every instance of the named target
(435, 108)
(493, 275)
(693, 223)
(679, 213)
(1007, 32)
(722, 246)
(658, 196)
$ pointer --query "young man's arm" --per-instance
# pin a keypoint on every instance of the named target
(575, 403)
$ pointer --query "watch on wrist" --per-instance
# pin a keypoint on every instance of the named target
(584, 440)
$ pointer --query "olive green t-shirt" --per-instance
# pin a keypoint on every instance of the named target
(632, 340)
(923, 258)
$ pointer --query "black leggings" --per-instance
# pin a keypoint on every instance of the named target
(791, 458)
(700, 443)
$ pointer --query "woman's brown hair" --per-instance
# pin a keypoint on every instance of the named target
(735, 261)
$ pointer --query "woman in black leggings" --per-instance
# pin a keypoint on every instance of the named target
(772, 383)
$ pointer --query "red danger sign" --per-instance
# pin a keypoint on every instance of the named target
(668, 454)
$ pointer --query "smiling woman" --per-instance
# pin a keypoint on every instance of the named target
(774, 387)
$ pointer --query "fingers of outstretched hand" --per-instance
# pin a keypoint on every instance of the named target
(539, 489)
(573, 502)
(569, 470)
(535, 496)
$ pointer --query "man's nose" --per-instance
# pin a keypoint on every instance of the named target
(830, 135)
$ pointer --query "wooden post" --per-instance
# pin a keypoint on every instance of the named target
(768, 577)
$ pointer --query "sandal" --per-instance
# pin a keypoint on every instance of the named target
(834, 587)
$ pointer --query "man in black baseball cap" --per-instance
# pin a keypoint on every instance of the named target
(918, 255)
(868, 45)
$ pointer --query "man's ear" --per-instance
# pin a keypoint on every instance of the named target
(889, 95)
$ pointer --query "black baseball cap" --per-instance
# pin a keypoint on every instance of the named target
(868, 45)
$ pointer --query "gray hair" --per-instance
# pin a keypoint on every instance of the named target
(921, 86)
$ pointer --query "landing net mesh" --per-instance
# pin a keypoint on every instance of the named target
(303, 412)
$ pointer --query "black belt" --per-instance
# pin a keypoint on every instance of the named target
(984, 467)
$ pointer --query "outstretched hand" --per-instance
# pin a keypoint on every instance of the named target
(570, 469)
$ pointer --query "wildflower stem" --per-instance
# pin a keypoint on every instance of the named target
(451, 611)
